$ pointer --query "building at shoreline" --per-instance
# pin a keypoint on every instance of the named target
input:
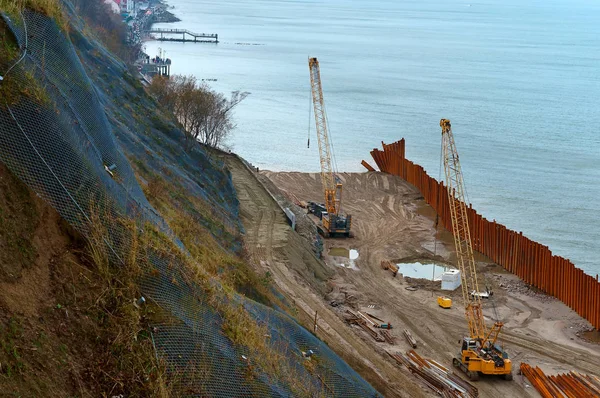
(126, 6)
(115, 5)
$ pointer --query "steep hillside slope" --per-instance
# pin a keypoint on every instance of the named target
(158, 222)
(65, 330)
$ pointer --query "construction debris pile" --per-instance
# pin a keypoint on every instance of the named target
(567, 385)
(367, 322)
(435, 376)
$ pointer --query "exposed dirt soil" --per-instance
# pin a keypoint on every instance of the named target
(392, 222)
(18, 218)
(38, 311)
(302, 278)
(55, 340)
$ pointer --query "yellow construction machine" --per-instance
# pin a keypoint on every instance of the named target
(333, 222)
(444, 302)
(479, 352)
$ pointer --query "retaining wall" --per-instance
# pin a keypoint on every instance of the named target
(531, 261)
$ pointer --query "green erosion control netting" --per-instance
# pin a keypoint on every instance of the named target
(57, 138)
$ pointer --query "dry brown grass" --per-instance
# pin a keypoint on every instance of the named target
(51, 8)
(156, 187)
(135, 367)
(186, 215)
(13, 89)
(263, 355)
(226, 278)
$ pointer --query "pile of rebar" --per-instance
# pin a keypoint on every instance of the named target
(438, 378)
(376, 330)
(567, 385)
(387, 336)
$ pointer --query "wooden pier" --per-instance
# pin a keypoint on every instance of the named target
(155, 67)
(183, 35)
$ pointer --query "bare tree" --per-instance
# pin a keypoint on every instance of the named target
(163, 90)
(184, 104)
(205, 115)
(218, 122)
(203, 108)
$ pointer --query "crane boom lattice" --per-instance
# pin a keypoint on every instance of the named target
(334, 223)
(332, 193)
(462, 235)
(479, 353)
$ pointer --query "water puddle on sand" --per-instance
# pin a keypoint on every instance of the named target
(592, 335)
(432, 272)
(350, 254)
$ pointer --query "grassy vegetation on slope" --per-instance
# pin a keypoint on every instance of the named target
(233, 274)
(13, 89)
(81, 333)
(51, 8)
(68, 325)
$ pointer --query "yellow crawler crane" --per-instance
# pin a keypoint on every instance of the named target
(333, 222)
(479, 352)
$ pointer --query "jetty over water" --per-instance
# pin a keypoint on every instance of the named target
(183, 35)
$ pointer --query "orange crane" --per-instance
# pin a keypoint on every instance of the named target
(333, 222)
(479, 352)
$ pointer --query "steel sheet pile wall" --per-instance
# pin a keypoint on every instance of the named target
(531, 261)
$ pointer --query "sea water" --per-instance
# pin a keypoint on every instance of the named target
(519, 79)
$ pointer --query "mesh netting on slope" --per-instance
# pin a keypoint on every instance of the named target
(58, 140)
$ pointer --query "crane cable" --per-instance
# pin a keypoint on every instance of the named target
(335, 170)
(333, 157)
(309, 114)
(437, 216)
(486, 279)
(329, 136)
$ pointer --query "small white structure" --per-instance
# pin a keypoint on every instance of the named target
(114, 6)
(451, 279)
(127, 6)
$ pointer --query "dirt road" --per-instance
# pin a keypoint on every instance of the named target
(390, 221)
(301, 277)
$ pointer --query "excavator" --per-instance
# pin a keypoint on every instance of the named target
(333, 222)
(479, 353)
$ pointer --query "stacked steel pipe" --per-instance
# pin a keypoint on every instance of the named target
(531, 261)
(438, 378)
(570, 384)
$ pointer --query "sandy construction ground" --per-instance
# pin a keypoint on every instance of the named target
(391, 221)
